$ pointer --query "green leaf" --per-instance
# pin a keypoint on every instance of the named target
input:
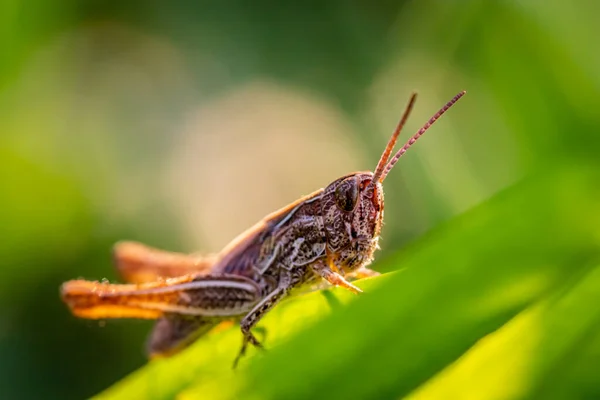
(464, 282)
(530, 354)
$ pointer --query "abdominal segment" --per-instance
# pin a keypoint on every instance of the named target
(206, 296)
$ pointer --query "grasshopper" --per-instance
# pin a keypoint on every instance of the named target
(330, 234)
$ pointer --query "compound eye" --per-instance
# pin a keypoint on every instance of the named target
(346, 194)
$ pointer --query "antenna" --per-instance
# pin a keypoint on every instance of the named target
(417, 135)
(392, 142)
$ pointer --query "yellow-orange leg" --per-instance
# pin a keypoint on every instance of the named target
(362, 272)
(138, 263)
(334, 278)
(206, 296)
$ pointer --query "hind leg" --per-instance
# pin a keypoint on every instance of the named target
(138, 263)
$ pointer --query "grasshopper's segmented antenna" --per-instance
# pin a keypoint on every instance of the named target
(417, 135)
(392, 142)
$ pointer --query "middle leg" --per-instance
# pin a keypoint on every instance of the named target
(252, 318)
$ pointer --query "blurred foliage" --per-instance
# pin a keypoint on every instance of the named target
(143, 120)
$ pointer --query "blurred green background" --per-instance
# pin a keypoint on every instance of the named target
(179, 124)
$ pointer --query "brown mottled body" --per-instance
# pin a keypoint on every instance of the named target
(330, 234)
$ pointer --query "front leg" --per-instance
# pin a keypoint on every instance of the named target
(252, 318)
(362, 272)
(333, 278)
